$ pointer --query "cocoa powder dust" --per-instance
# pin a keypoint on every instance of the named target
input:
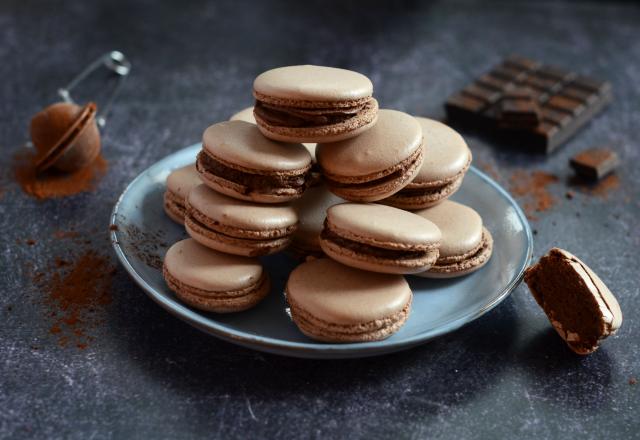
(75, 291)
(53, 184)
(532, 187)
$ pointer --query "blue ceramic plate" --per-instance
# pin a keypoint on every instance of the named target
(439, 306)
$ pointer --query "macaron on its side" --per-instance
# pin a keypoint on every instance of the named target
(237, 227)
(578, 304)
(376, 164)
(466, 245)
(179, 183)
(379, 238)
(313, 104)
(238, 161)
(331, 302)
(446, 161)
(213, 281)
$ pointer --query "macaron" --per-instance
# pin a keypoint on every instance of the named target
(238, 227)
(313, 104)
(179, 183)
(446, 160)
(376, 164)
(331, 302)
(238, 161)
(578, 304)
(379, 238)
(312, 211)
(213, 281)
(466, 245)
(247, 116)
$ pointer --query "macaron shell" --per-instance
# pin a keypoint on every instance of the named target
(381, 225)
(431, 196)
(465, 266)
(203, 268)
(377, 264)
(348, 129)
(182, 180)
(247, 116)
(239, 192)
(221, 304)
(241, 143)
(234, 245)
(394, 138)
(378, 188)
(313, 83)
(312, 211)
(365, 332)
(174, 207)
(238, 213)
(460, 225)
(446, 154)
(343, 295)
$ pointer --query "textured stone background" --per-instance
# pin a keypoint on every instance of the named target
(148, 375)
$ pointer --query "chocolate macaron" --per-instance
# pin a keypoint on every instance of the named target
(179, 183)
(578, 304)
(238, 161)
(213, 281)
(466, 245)
(238, 227)
(376, 164)
(446, 160)
(379, 238)
(331, 302)
(313, 103)
(312, 211)
(247, 116)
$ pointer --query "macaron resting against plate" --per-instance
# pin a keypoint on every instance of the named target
(237, 227)
(238, 161)
(313, 104)
(312, 211)
(578, 304)
(376, 164)
(212, 281)
(466, 245)
(331, 302)
(179, 183)
(446, 160)
(379, 238)
(247, 116)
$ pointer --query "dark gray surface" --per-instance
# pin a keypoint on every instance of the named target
(148, 375)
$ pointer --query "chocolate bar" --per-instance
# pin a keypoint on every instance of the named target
(519, 109)
(567, 101)
(594, 163)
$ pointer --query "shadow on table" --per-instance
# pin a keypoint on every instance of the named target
(444, 373)
(565, 377)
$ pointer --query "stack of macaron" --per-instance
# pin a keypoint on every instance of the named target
(357, 193)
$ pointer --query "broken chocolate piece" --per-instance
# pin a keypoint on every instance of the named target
(595, 163)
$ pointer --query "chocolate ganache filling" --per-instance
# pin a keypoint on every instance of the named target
(261, 182)
(362, 248)
(302, 117)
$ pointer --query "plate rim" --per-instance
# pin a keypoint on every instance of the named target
(312, 349)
